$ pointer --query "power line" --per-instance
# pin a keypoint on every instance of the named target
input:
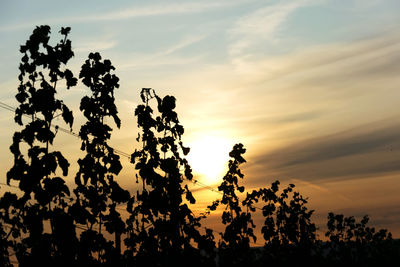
(198, 183)
(71, 198)
(6, 106)
(56, 127)
(117, 151)
(66, 131)
(127, 155)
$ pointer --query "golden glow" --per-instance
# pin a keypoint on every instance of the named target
(208, 158)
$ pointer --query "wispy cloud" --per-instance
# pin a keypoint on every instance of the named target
(159, 9)
(185, 42)
(294, 109)
(162, 56)
(367, 55)
(307, 81)
(335, 75)
(370, 149)
(367, 3)
(130, 12)
(95, 46)
(260, 26)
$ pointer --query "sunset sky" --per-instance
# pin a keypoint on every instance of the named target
(311, 88)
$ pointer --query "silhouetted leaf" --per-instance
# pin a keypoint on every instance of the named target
(65, 31)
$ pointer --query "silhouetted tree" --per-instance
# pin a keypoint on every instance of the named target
(97, 192)
(44, 194)
(162, 228)
(289, 233)
(355, 243)
(234, 246)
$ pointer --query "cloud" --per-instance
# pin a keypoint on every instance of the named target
(130, 12)
(297, 117)
(95, 46)
(260, 26)
(289, 98)
(371, 149)
(317, 90)
(159, 9)
(376, 55)
(161, 57)
(185, 42)
(367, 3)
(342, 144)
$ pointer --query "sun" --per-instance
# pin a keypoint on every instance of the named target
(208, 158)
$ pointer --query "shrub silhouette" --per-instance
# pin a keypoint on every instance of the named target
(289, 233)
(97, 192)
(162, 229)
(44, 197)
(234, 246)
(45, 226)
(357, 244)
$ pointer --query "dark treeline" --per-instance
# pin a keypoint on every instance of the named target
(50, 224)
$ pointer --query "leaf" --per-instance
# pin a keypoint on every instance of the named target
(168, 103)
(185, 150)
(115, 165)
(70, 79)
(65, 31)
(62, 162)
(189, 196)
(118, 194)
(56, 186)
(67, 115)
(237, 152)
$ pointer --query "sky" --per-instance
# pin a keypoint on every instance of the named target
(311, 88)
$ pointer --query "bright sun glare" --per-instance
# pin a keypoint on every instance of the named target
(208, 158)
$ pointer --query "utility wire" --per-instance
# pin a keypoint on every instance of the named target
(117, 151)
(56, 127)
(8, 107)
(198, 183)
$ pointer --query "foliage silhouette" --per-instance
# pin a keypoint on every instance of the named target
(45, 226)
(289, 234)
(44, 196)
(97, 191)
(357, 244)
(162, 229)
(234, 246)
